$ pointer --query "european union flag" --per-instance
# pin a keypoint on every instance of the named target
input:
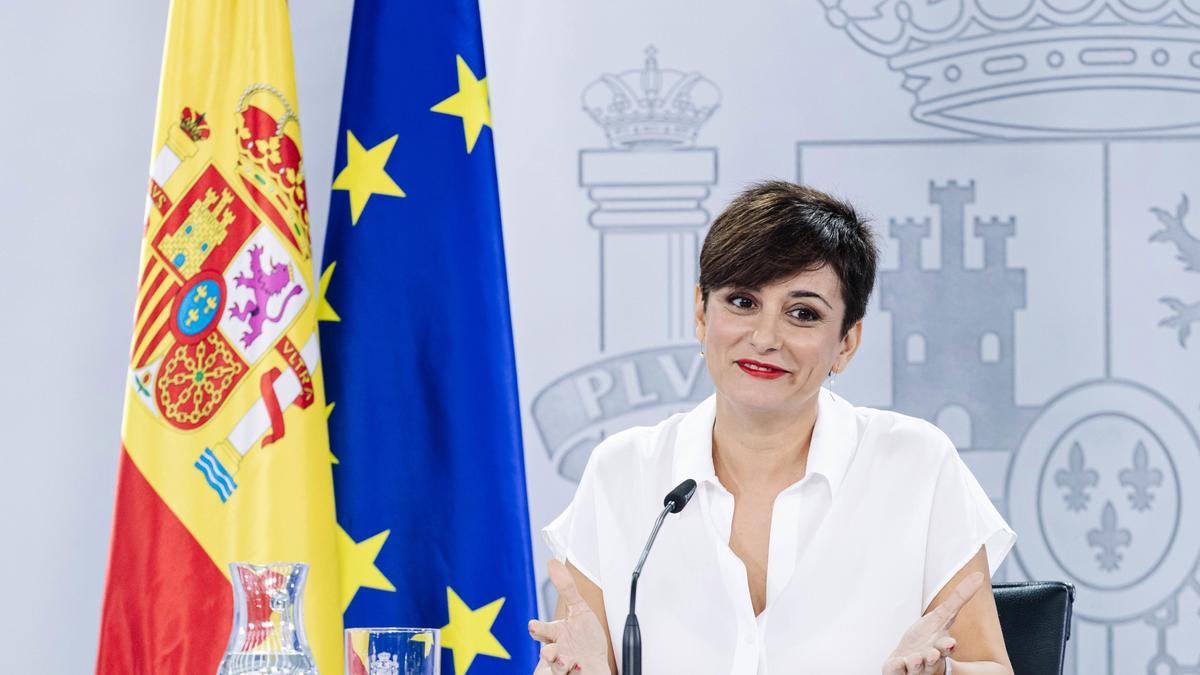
(417, 345)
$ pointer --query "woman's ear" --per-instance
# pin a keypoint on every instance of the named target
(701, 326)
(850, 342)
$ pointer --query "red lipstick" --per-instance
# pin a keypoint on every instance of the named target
(764, 371)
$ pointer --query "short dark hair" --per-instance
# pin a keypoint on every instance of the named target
(775, 230)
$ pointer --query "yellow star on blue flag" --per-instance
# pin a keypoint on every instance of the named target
(469, 632)
(470, 103)
(364, 174)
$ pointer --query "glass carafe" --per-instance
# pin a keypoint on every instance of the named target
(267, 637)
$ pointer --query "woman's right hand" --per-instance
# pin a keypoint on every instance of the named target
(575, 643)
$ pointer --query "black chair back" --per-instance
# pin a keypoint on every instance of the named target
(1036, 619)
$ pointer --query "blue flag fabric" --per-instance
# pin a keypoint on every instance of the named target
(417, 345)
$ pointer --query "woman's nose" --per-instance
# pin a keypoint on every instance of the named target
(765, 337)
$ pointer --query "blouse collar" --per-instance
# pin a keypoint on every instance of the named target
(834, 441)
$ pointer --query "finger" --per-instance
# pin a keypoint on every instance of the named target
(894, 666)
(932, 658)
(552, 655)
(949, 609)
(545, 631)
(564, 583)
(945, 645)
(915, 664)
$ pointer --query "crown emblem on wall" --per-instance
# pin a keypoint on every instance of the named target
(1038, 67)
(653, 107)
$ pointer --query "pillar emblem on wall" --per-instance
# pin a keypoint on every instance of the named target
(648, 186)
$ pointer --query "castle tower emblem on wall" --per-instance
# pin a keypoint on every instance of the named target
(953, 327)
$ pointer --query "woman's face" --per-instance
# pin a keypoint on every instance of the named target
(769, 349)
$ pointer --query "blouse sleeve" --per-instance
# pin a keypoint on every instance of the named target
(961, 519)
(573, 536)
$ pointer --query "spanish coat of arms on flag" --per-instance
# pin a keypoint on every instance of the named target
(225, 455)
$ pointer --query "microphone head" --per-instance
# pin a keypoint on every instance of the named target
(680, 496)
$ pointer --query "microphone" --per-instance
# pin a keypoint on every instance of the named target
(631, 645)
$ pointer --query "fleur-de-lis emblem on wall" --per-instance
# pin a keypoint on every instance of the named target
(1076, 478)
(1108, 538)
(1141, 478)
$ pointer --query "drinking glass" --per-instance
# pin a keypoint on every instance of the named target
(393, 651)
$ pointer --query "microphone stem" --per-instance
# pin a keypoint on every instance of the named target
(631, 642)
(637, 571)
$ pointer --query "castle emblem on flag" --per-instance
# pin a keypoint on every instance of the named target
(205, 227)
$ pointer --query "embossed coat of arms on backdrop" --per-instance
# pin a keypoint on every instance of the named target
(1040, 286)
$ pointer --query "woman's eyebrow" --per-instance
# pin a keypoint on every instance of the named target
(810, 294)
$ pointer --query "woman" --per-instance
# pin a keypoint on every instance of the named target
(822, 538)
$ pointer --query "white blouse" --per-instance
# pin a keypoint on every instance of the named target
(886, 514)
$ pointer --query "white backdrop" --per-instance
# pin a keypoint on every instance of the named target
(1050, 133)
(1025, 163)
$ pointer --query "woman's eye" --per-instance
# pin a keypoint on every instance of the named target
(804, 314)
(741, 302)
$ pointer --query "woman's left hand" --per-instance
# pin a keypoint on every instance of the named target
(927, 643)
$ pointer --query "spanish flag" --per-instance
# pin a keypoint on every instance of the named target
(224, 450)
